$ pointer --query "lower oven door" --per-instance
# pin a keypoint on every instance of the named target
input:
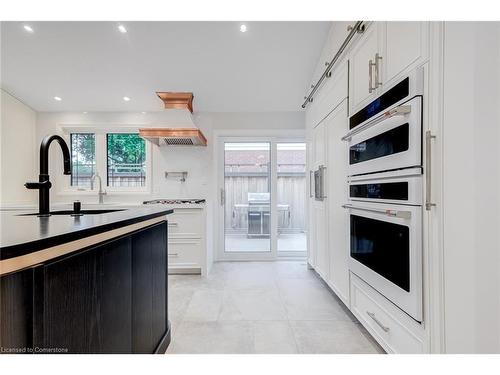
(386, 251)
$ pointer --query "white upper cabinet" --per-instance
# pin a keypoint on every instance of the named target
(319, 146)
(380, 57)
(330, 94)
(361, 73)
(404, 47)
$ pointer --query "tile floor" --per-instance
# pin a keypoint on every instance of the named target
(261, 307)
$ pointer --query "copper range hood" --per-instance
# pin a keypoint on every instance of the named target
(181, 131)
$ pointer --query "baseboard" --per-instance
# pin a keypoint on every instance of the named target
(185, 271)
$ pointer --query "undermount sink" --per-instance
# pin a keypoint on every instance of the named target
(82, 212)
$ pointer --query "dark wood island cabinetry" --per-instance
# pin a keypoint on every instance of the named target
(110, 297)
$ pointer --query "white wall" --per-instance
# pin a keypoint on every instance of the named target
(18, 150)
(197, 161)
(471, 190)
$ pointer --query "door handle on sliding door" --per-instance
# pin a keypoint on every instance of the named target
(393, 213)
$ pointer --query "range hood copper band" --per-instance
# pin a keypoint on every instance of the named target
(177, 100)
(155, 134)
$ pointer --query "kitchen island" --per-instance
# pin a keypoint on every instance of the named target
(89, 283)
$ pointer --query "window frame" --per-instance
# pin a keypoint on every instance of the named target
(101, 157)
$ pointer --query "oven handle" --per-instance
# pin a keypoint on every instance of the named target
(392, 213)
(401, 110)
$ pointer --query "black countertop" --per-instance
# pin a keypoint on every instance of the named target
(20, 235)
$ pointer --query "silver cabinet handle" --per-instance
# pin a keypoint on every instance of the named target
(393, 213)
(428, 170)
(322, 174)
(222, 197)
(378, 58)
(173, 255)
(310, 184)
(379, 323)
(401, 110)
(173, 224)
(371, 64)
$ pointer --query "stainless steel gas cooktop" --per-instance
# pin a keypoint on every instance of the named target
(175, 201)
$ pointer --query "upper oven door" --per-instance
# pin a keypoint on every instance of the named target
(397, 187)
(390, 141)
(386, 251)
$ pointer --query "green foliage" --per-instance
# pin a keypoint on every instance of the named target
(126, 149)
(82, 148)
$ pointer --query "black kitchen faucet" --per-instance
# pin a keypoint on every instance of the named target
(43, 185)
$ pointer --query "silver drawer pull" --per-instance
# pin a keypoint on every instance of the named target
(402, 110)
(372, 315)
(170, 224)
(393, 213)
(173, 254)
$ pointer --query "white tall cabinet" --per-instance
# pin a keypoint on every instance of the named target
(318, 211)
(327, 123)
(336, 187)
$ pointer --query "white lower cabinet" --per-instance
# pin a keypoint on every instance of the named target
(394, 330)
(187, 250)
(319, 231)
(184, 254)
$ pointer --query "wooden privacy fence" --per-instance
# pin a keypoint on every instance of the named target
(291, 189)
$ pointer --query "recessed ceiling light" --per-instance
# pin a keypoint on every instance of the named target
(85, 112)
(122, 29)
(126, 98)
(243, 28)
(143, 113)
(57, 98)
(28, 28)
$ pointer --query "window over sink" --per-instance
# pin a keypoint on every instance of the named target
(117, 154)
(126, 160)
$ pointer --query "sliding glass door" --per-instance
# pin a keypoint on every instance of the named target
(291, 203)
(263, 193)
(247, 187)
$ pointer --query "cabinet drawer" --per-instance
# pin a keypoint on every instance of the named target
(185, 223)
(395, 331)
(184, 252)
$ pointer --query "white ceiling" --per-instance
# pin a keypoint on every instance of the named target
(92, 66)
